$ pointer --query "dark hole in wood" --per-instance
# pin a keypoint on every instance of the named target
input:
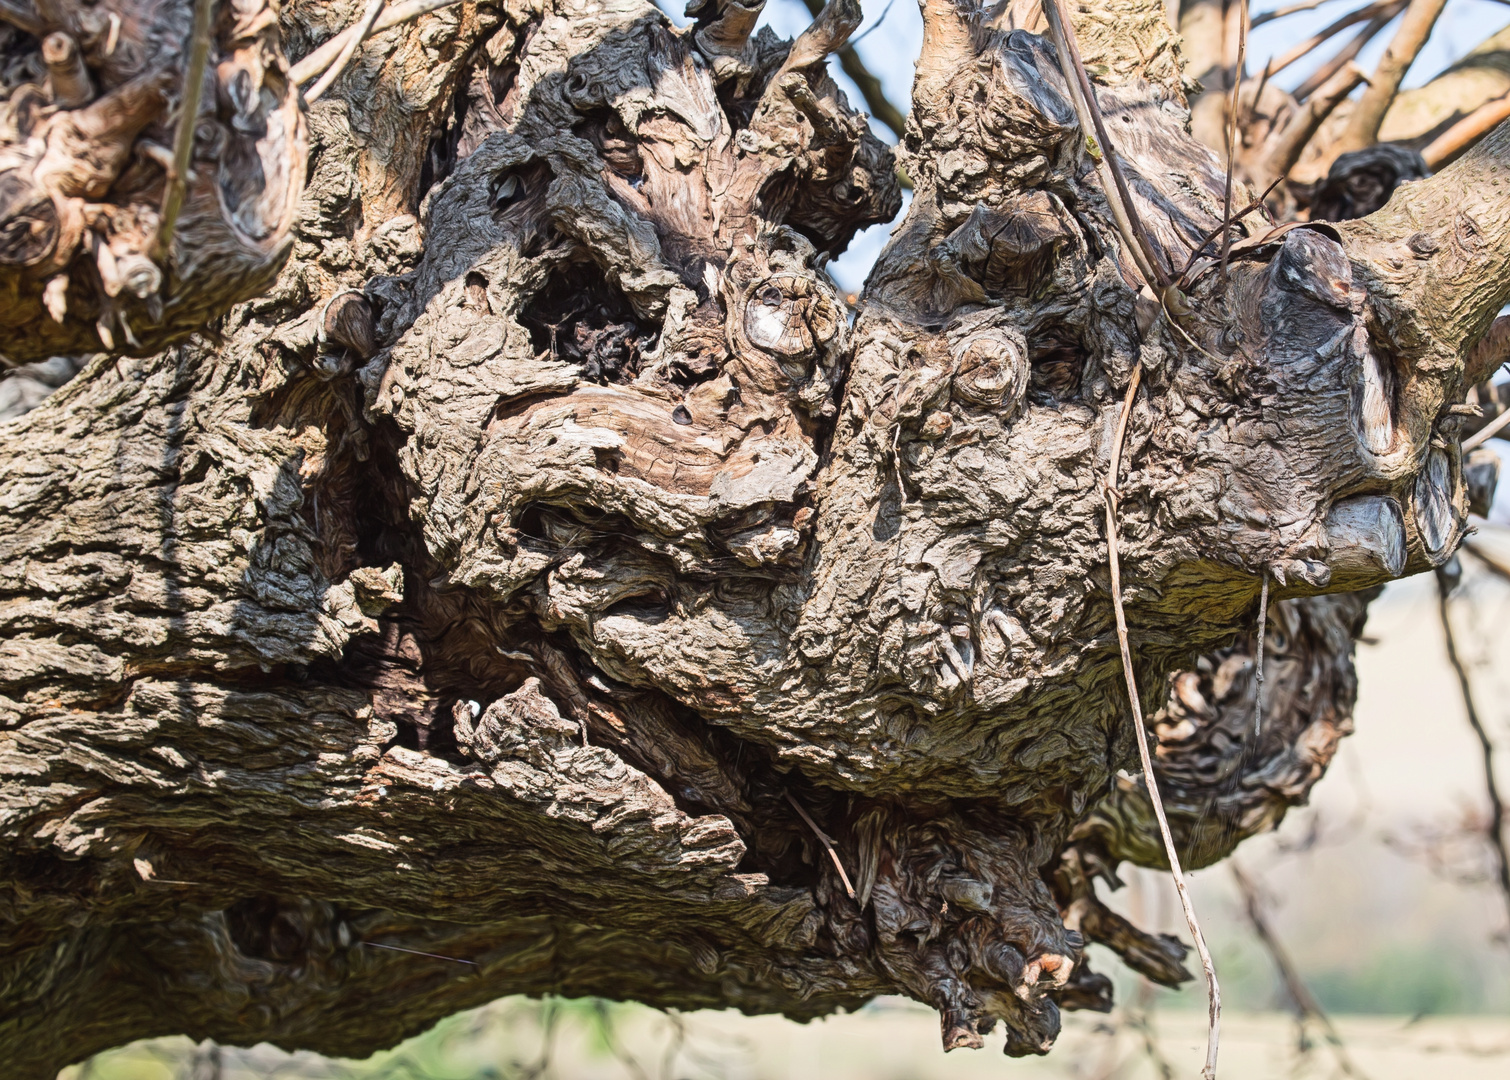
(261, 928)
(1055, 366)
(582, 319)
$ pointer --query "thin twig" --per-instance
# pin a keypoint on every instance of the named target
(1306, 1005)
(358, 33)
(1293, 9)
(1487, 432)
(325, 55)
(417, 952)
(1140, 736)
(823, 838)
(1258, 669)
(188, 120)
(1496, 805)
(1118, 196)
(1378, 9)
(1232, 104)
(1214, 233)
(885, 11)
(1317, 79)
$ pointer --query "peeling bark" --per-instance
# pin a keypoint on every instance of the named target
(513, 578)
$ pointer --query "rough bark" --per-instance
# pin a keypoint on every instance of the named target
(513, 578)
(97, 248)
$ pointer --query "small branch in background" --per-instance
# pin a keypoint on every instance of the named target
(1496, 830)
(1293, 9)
(1306, 1005)
(876, 101)
(1285, 151)
(1487, 432)
(1467, 131)
(1318, 80)
(1368, 115)
(188, 120)
(1379, 9)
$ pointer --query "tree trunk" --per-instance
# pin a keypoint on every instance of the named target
(547, 586)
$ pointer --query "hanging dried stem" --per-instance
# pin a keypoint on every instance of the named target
(825, 840)
(1258, 662)
(1140, 736)
(188, 121)
(1232, 123)
(1496, 831)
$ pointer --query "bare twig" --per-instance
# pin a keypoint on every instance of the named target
(1293, 9)
(1118, 197)
(1258, 666)
(417, 952)
(1140, 736)
(358, 34)
(1496, 805)
(825, 840)
(1378, 9)
(1214, 233)
(321, 58)
(1487, 432)
(1368, 114)
(1306, 1005)
(1232, 103)
(1466, 132)
(1316, 81)
(188, 120)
